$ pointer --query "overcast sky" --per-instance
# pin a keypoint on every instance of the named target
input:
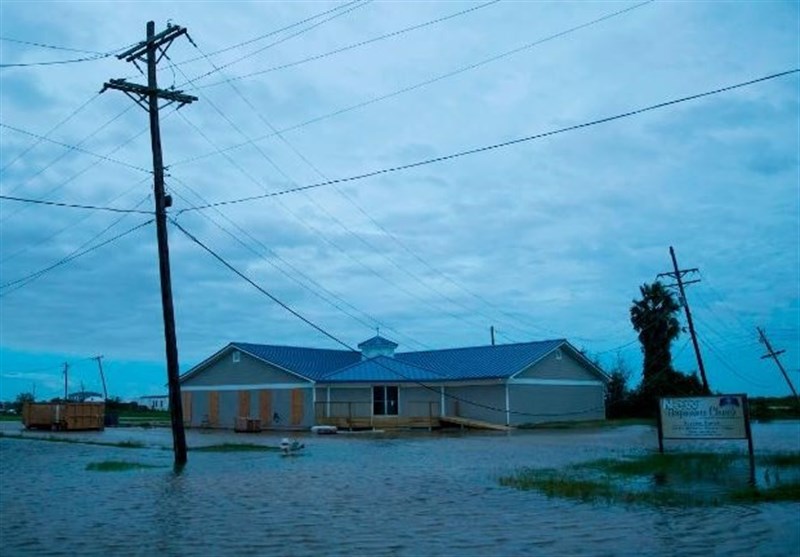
(543, 239)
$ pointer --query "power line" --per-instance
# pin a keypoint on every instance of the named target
(311, 165)
(272, 33)
(57, 62)
(296, 271)
(354, 45)
(282, 40)
(257, 287)
(66, 260)
(56, 47)
(83, 245)
(499, 145)
(76, 147)
(74, 205)
(96, 55)
(48, 133)
(351, 349)
(423, 83)
(70, 225)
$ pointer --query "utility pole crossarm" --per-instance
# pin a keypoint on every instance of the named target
(144, 92)
(762, 337)
(164, 37)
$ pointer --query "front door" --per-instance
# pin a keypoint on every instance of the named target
(385, 400)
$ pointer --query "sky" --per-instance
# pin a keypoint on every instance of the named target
(545, 238)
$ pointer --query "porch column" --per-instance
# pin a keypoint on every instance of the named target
(328, 402)
(441, 401)
(508, 406)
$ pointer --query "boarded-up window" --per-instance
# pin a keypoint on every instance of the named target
(297, 406)
(265, 407)
(244, 404)
(187, 407)
(213, 408)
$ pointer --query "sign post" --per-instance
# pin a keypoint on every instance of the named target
(717, 417)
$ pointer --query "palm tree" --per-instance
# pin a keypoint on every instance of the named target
(653, 317)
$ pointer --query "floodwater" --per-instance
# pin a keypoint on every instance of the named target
(415, 494)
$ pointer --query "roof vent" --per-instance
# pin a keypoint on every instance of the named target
(236, 356)
(377, 346)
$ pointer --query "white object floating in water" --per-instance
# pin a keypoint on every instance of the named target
(290, 447)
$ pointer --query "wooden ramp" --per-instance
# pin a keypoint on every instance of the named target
(475, 424)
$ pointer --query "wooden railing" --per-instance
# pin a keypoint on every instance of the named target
(358, 415)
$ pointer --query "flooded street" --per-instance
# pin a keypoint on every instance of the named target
(416, 494)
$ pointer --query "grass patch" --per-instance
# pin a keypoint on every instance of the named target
(118, 466)
(676, 479)
(235, 448)
(130, 444)
(590, 424)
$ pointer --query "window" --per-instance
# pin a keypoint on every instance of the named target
(558, 354)
(384, 400)
(236, 356)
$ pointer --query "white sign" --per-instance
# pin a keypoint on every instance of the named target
(707, 417)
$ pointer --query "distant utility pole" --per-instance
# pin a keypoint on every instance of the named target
(66, 371)
(678, 275)
(774, 355)
(102, 376)
(152, 50)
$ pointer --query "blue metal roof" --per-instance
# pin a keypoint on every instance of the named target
(311, 363)
(482, 362)
(383, 369)
(455, 364)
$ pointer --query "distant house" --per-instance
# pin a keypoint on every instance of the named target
(293, 387)
(154, 402)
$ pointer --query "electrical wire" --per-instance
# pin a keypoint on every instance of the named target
(26, 279)
(48, 133)
(83, 218)
(353, 45)
(96, 55)
(282, 40)
(76, 147)
(342, 343)
(74, 205)
(422, 83)
(343, 226)
(88, 242)
(312, 285)
(501, 145)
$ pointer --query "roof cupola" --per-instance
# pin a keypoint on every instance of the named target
(377, 346)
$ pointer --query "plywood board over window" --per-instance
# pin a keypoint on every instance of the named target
(244, 404)
(265, 407)
(213, 408)
(187, 407)
(297, 406)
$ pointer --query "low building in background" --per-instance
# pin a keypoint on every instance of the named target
(286, 387)
(154, 402)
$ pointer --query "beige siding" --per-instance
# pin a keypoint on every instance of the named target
(567, 368)
(480, 402)
(419, 402)
(556, 403)
(247, 371)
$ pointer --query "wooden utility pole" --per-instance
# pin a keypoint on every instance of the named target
(66, 371)
(152, 50)
(102, 376)
(678, 275)
(774, 355)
